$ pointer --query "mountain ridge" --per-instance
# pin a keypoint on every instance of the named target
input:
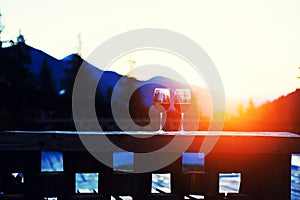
(29, 96)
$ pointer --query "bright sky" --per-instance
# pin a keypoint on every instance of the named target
(255, 45)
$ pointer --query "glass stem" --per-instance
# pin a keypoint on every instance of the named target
(160, 121)
(182, 115)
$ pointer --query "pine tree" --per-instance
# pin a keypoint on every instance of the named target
(251, 107)
(16, 79)
(46, 81)
(241, 111)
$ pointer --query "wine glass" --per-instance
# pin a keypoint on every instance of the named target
(161, 102)
(182, 103)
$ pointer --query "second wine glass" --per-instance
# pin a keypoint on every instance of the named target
(182, 103)
(161, 102)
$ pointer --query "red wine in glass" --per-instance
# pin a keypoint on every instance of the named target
(182, 107)
(182, 102)
(161, 102)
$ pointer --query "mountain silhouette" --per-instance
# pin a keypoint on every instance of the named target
(38, 90)
(48, 76)
(57, 66)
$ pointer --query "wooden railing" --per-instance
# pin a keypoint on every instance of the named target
(263, 159)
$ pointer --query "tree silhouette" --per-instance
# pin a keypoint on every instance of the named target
(241, 110)
(70, 74)
(17, 85)
(251, 107)
(46, 81)
(16, 79)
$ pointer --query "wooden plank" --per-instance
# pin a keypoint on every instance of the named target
(107, 141)
(88, 196)
(232, 196)
(141, 164)
(138, 133)
(215, 197)
(20, 161)
(84, 162)
(49, 184)
(41, 141)
(163, 197)
(13, 197)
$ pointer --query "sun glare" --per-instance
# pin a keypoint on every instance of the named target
(147, 64)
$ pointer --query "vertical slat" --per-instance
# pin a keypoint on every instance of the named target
(17, 162)
(268, 177)
(131, 184)
(173, 167)
(84, 162)
(189, 183)
(220, 163)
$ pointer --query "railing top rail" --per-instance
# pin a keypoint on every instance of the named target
(141, 142)
(170, 133)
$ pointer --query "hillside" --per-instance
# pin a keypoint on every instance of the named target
(282, 114)
(38, 89)
(33, 82)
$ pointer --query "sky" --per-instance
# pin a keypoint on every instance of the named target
(255, 45)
